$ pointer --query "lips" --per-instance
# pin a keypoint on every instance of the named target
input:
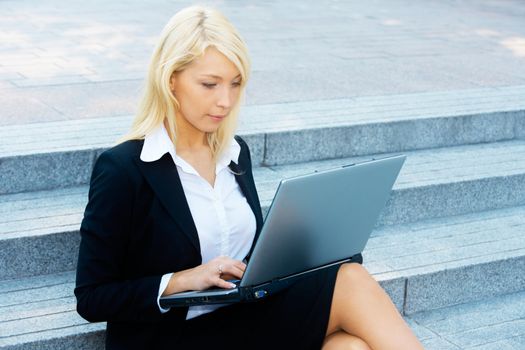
(217, 117)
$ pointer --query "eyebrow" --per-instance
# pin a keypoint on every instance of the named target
(218, 77)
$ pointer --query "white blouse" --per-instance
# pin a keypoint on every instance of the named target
(224, 220)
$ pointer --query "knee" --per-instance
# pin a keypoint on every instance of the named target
(343, 340)
(354, 274)
(357, 344)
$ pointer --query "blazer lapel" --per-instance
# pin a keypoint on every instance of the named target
(164, 179)
(248, 188)
(247, 185)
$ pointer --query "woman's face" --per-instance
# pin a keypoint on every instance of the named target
(207, 90)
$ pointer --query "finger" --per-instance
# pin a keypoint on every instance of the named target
(240, 272)
(219, 282)
(235, 271)
(240, 265)
(230, 266)
(237, 264)
(229, 277)
(228, 260)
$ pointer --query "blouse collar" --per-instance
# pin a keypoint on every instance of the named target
(157, 143)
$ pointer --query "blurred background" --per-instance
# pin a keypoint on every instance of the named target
(84, 59)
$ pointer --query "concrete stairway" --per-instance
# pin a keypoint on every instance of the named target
(452, 232)
(492, 324)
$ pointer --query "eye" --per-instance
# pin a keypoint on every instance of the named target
(209, 85)
(236, 84)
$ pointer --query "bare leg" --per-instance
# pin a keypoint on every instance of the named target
(341, 340)
(360, 307)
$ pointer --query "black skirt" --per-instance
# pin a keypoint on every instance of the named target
(296, 318)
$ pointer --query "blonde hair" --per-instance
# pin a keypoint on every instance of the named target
(185, 38)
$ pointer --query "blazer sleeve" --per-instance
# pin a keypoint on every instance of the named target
(103, 292)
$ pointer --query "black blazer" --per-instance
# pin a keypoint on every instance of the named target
(137, 227)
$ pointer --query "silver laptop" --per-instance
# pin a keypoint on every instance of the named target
(315, 221)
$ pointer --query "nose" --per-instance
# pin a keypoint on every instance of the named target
(225, 98)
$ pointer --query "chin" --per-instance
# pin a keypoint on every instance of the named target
(210, 129)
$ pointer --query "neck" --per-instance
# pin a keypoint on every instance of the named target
(191, 143)
(189, 139)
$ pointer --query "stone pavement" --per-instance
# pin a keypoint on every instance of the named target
(499, 325)
(85, 59)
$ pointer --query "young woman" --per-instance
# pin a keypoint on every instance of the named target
(174, 207)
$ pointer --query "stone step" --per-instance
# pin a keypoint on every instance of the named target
(451, 260)
(433, 183)
(39, 230)
(420, 265)
(60, 154)
(497, 323)
(40, 313)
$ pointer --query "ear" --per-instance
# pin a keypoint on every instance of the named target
(173, 81)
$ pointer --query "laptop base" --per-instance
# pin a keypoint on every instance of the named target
(241, 294)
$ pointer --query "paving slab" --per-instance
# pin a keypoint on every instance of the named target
(432, 184)
(354, 49)
(452, 260)
(39, 313)
(419, 264)
(55, 154)
(481, 105)
(492, 323)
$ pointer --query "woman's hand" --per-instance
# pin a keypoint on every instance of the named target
(214, 273)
